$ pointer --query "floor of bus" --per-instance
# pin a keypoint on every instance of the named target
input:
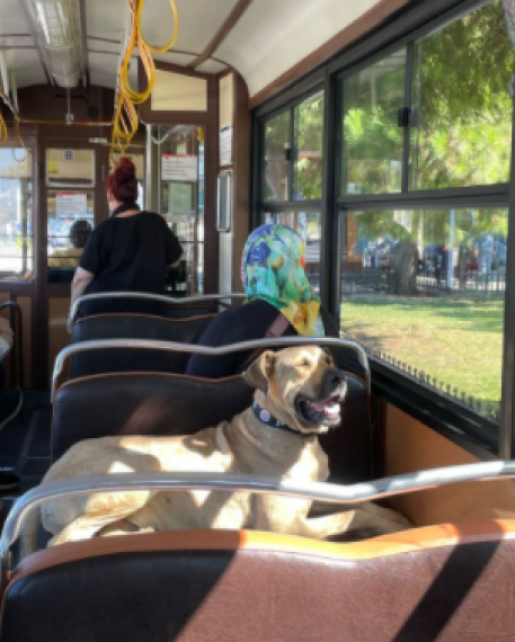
(25, 446)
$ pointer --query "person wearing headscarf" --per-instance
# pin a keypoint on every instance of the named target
(274, 278)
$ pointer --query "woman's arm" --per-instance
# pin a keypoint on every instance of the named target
(81, 280)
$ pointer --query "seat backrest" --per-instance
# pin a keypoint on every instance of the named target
(447, 583)
(168, 404)
(134, 326)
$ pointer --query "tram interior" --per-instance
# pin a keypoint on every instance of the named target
(381, 132)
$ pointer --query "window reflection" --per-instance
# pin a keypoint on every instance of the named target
(425, 289)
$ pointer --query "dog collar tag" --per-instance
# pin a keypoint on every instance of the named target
(265, 417)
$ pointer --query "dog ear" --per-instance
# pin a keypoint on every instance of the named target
(258, 373)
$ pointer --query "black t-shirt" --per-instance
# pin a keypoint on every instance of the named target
(131, 254)
(244, 323)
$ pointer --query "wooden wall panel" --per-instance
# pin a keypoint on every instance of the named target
(411, 446)
(58, 337)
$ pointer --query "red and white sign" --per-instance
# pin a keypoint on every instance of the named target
(179, 167)
(71, 204)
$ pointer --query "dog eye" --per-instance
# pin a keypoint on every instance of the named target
(305, 363)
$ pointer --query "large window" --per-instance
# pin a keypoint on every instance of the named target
(423, 288)
(16, 222)
(421, 138)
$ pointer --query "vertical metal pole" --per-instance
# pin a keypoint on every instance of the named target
(507, 427)
(148, 169)
(450, 251)
(328, 252)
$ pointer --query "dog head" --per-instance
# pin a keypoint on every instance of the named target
(302, 385)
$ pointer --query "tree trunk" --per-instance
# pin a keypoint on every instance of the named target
(404, 269)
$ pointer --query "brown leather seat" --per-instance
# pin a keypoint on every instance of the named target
(448, 583)
(168, 404)
(135, 326)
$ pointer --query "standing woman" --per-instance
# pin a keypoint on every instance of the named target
(131, 251)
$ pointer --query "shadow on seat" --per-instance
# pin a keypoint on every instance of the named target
(450, 583)
(134, 326)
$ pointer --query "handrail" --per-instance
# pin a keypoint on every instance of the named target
(151, 297)
(314, 491)
(17, 341)
(171, 346)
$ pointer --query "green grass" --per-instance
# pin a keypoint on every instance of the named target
(457, 341)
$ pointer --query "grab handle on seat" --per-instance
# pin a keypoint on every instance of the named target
(99, 296)
(314, 491)
(146, 344)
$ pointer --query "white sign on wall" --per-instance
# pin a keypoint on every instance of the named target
(179, 167)
(226, 145)
(71, 204)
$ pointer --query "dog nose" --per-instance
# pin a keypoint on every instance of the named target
(336, 377)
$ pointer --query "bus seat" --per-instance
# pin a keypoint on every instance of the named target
(171, 404)
(450, 582)
(135, 326)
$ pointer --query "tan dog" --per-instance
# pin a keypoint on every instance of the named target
(299, 387)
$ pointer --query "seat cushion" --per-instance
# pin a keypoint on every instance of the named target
(451, 583)
(167, 404)
(134, 326)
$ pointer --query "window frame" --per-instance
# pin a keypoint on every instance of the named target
(402, 30)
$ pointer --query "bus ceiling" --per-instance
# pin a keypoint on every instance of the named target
(72, 43)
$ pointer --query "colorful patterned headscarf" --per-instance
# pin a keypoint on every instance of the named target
(273, 270)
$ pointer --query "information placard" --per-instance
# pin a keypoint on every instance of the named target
(71, 204)
(179, 167)
(226, 145)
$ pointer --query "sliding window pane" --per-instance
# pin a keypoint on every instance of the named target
(309, 226)
(425, 290)
(461, 103)
(309, 134)
(276, 180)
(16, 210)
(373, 140)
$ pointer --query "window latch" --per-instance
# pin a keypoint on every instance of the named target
(404, 117)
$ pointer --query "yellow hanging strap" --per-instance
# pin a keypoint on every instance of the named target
(4, 132)
(126, 119)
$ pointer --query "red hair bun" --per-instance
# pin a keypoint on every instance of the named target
(122, 183)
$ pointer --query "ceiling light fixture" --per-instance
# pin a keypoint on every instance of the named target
(57, 27)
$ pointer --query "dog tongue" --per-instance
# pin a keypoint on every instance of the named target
(323, 406)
